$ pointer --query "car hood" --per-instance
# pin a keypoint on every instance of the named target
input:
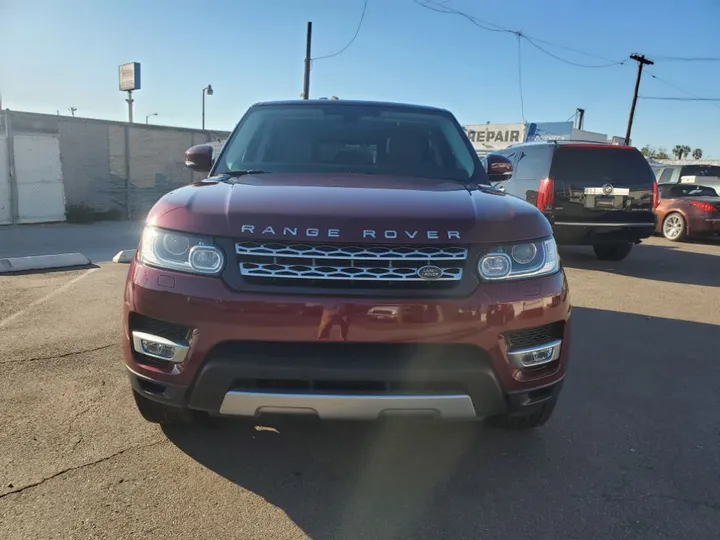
(348, 207)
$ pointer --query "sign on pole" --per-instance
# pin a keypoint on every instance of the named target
(129, 76)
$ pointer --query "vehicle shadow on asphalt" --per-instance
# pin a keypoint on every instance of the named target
(656, 262)
(621, 415)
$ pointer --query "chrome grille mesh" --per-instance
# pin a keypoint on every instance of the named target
(348, 264)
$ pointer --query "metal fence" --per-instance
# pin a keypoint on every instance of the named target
(53, 166)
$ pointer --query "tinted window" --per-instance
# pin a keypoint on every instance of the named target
(587, 166)
(700, 170)
(531, 164)
(690, 190)
(363, 139)
(666, 176)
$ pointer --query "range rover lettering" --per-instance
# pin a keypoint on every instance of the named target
(347, 260)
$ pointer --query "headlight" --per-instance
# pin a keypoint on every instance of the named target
(516, 261)
(179, 251)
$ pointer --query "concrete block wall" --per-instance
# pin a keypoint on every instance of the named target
(114, 169)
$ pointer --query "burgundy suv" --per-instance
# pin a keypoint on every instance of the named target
(348, 260)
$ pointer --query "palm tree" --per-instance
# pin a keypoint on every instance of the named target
(678, 151)
(697, 153)
(686, 151)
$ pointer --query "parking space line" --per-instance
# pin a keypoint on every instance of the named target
(8, 320)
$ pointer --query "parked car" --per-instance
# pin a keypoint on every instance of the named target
(350, 206)
(705, 175)
(688, 210)
(593, 194)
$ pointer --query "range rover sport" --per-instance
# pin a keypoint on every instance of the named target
(265, 288)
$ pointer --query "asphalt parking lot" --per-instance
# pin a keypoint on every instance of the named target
(632, 451)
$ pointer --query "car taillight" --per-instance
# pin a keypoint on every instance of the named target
(705, 207)
(546, 194)
(655, 196)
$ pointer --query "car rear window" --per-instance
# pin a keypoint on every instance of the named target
(691, 190)
(700, 170)
(587, 166)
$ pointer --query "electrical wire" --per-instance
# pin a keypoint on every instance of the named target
(679, 98)
(675, 87)
(357, 31)
(577, 64)
(492, 27)
(442, 8)
(520, 80)
(687, 58)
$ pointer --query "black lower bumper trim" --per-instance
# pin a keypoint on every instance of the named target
(469, 373)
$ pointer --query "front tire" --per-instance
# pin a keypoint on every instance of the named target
(528, 420)
(674, 227)
(613, 252)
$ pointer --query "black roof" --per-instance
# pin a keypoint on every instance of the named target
(351, 102)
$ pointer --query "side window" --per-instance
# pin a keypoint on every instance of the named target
(666, 176)
(531, 165)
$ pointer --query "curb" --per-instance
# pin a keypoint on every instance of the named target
(42, 262)
(125, 256)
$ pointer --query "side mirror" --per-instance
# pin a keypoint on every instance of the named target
(499, 168)
(199, 158)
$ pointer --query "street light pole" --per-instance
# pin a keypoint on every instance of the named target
(209, 91)
(147, 118)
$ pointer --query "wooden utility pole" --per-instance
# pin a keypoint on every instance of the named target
(308, 47)
(642, 61)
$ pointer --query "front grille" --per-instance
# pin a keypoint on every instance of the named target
(353, 266)
(533, 337)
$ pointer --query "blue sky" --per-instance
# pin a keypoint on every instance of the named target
(58, 54)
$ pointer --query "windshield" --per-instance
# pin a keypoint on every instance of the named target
(361, 139)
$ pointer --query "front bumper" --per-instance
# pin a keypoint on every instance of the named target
(250, 354)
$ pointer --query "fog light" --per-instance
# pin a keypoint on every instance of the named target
(536, 356)
(540, 356)
(159, 347)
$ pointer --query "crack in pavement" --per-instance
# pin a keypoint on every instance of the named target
(78, 467)
(55, 357)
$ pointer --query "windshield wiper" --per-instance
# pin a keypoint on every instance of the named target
(243, 173)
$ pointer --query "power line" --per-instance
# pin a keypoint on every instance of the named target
(577, 64)
(688, 58)
(520, 81)
(442, 8)
(671, 85)
(492, 27)
(679, 98)
(357, 31)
